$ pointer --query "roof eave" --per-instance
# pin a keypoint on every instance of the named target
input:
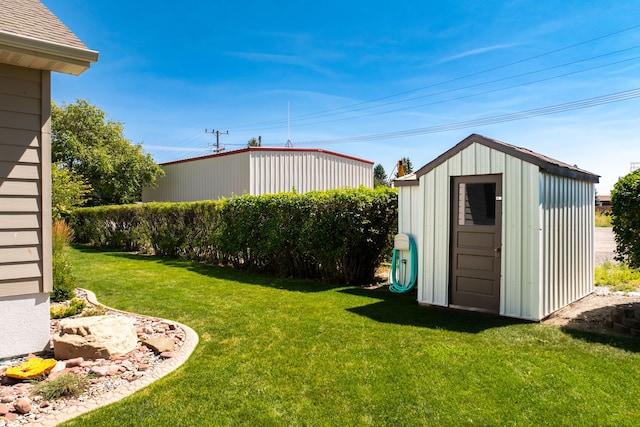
(545, 165)
(39, 54)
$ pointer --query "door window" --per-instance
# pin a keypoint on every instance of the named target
(476, 203)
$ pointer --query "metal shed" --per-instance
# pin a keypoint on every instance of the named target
(256, 171)
(501, 229)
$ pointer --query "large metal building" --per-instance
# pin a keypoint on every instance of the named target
(256, 171)
(501, 229)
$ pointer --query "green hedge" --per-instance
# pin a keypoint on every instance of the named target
(340, 235)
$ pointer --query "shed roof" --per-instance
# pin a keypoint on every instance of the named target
(545, 163)
(268, 149)
(32, 36)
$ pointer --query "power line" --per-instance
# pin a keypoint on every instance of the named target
(481, 84)
(348, 108)
(553, 109)
(474, 94)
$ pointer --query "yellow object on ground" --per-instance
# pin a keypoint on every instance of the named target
(32, 368)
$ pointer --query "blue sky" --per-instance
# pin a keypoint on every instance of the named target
(378, 80)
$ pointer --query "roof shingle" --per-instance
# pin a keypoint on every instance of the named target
(31, 18)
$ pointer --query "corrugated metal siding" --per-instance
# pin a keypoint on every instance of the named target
(410, 218)
(25, 236)
(567, 245)
(258, 172)
(520, 228)
(205, 179)
(273, 172)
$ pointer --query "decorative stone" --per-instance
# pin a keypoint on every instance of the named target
(94, 337)
(11, 416)
(101, 371)
(4, 409)
(22, 405)
(619, 327)
(160, 344)
(631, 322)
(74, 362)
(60, 366)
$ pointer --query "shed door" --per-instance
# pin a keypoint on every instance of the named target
(476, 212)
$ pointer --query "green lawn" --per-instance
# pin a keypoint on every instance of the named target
(284, 352)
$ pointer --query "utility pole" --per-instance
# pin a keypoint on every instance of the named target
(218, 133)
(288, 144)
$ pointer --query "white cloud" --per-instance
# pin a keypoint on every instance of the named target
(475, 52)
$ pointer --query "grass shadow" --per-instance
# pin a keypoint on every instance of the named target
(402, 309)
(627, 343)
(220, 272)
(596, 326)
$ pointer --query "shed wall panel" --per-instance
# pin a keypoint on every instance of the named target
(411, 218)
(518, 293)
(567, 242)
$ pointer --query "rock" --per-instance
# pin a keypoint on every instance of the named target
(160, 344)
(11, 416)
(101, 371)
(60, 366)
(4, 409)
(77, 361)
(94, 337)
(22, 405)
(167, 354)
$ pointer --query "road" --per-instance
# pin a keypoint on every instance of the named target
(605, 244)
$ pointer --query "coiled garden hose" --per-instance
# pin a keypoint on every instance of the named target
(398, 265)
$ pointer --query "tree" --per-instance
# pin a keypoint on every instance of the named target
(625, 218)
(89, 146)
(68, 190)
(379, 176)
(253, 142)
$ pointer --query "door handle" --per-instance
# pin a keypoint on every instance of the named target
(496, 252)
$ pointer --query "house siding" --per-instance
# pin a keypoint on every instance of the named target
(25, 216)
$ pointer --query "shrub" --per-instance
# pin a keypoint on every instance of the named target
(338, 235)
(63, 280)
(603, 219)
(64, 385)
(185, 230)
(76, 306)
(619, 277)
(625, 211)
